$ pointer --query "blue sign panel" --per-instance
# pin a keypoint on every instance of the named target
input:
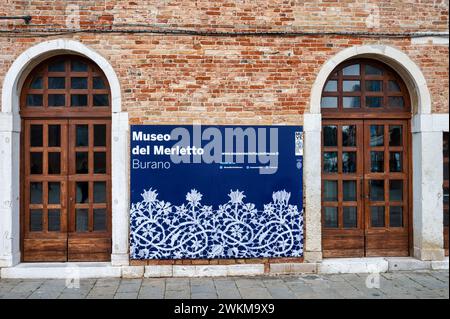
(200, 192)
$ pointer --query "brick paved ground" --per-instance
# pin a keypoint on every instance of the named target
(392, 285)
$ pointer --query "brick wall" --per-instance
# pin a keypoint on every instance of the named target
(265, 80)
(331, 15)
(231, 79)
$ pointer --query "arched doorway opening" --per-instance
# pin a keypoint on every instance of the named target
(65, 109)
(366, 161)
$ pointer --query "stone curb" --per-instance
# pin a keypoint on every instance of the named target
(327, 266)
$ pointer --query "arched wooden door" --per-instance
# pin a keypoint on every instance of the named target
(366, 164)
(66, 162)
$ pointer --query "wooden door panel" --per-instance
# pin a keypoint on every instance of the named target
(44, 190)
(446, 188)
(387, 244)
(61, 90)
(43, 250)
(89, 190)
(343, 246)
(89, 249)
(382, 180)
(386, 187)
(342, 171)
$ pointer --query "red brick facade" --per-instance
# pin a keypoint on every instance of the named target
(232, 79)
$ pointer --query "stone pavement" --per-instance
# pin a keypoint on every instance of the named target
(427, 284)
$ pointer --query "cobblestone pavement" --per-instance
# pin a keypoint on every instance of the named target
(430, 284)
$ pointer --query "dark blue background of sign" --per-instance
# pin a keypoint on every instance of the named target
(214, 183)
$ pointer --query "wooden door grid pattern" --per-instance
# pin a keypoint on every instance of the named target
(66, 171)
(446, 191)
(365, 188)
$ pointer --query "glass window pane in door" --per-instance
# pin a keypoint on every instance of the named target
(376, 135)
(82, 192)
(82, 220)
(54, 220)
(377, 216)
(98, 83)
(57, 66)
(330, 191)
(36, 163)
(99, 135)
(348, 162)
(393, 86)
(56, 83)
(329, 135)
(99, 192)
(34, 100)
(35, 220)
(373, 70)
(54, 135)
(100, 163)
(376, 190)
(54, 192)
(329, 102)
(54, 163)
(395, 135)
(396, 190)
(395, 162)
(79, 66)
(37, 83)
(395, 216)
(36, 193)
(350, 217)
(349, 191)
(351, 70)
(376, 162)
(351, 86)
(82, 132)
(79, 83)
(350, 102)
(331, 86)
(36, 134)
(82, 162)
(330, 162)
(374, 85)
(101, 100)
(348, 135)
(331, 217)
(78, 100)
(396, 101)
(374, 101)
(100, 219)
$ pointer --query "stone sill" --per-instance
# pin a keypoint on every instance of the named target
(327, 266)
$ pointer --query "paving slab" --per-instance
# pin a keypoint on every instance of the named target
(395, 285)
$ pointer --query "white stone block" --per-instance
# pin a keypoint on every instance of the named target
(440, 264)
(293, 268)
(61, 271)
(211, 270)
(158, 271)
(245, 270)
(132, 271)
(407, 263)
(353, 265)
(184, 271)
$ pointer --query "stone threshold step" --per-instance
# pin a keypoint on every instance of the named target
(327, 266)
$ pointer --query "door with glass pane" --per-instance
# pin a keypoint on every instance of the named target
(342, 180)
(386, 181)
(66, 188)
(89, 180)
(445, 186)
(365, 185)
(44, 225)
